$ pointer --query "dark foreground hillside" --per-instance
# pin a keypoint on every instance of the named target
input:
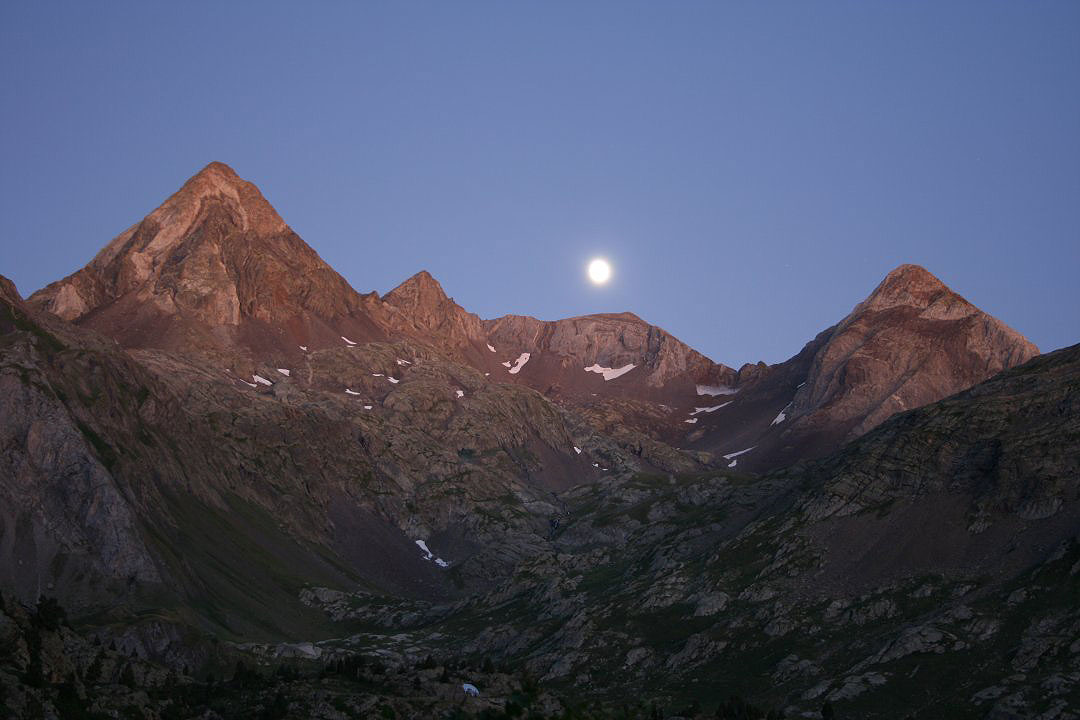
(930, 569)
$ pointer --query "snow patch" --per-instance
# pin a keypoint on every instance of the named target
(428, 555)
(367, 407)
(733, 463)
(350, 392)
(691, 421)
(715, 390)
(729, 456)
(519, 363)
(347, 340)
(460, 393)
(610, 373)
(393, 380)
(781, 416)
(247, 383)
(403, 362)
(283, 371)
(577, 449)
(490, 348)
(304, 348)
(261, 379)
(376, 374)
(714, 408)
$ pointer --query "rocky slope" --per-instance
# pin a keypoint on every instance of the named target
(929, 569)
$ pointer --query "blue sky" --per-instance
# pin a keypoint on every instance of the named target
(752, 170)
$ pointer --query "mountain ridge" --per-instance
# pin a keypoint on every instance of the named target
(215, 269)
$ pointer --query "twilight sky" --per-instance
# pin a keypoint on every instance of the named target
(751, 170)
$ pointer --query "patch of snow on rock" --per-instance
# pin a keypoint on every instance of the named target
(403, 362)
(715, 390)
(737, 454)
(283, 371)
(460, 393)
(393, 380)
(367, 407)
(733, 463)
(261, 379)
(347, 340)
(376, 374)
(781, 416)
(577, 449)
(610, 373)
(304, 348)
(519, 363)
(350, 392)
(714, 408)
(490, 348)
(428, 555)
(691, 421)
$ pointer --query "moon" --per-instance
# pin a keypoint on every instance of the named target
(599, 271)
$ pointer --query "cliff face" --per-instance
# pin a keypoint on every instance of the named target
(610, 341)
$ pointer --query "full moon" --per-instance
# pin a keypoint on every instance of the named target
(599, 271)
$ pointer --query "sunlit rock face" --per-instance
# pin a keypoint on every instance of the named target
(213, 267)
(913, 341)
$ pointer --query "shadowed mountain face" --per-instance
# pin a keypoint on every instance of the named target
(207, 432)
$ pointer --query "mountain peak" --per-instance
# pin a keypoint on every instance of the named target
(914, 286)
(8, 293)
(419, 291)
(216, 167)
(215, 254)
(422, 306)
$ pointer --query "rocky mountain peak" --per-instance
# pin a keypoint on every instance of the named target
(913, 341)
(914, 286)
(420, 305)
(214, 255)
(418, 292)
(8, 293)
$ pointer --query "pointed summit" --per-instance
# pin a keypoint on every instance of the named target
(913, 341)
(420, 305)
(419, 291)
(914, 286)
(211, 260)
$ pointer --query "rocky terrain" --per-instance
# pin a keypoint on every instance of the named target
(224, 461)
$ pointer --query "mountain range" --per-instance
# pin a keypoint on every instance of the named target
(215, 449)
